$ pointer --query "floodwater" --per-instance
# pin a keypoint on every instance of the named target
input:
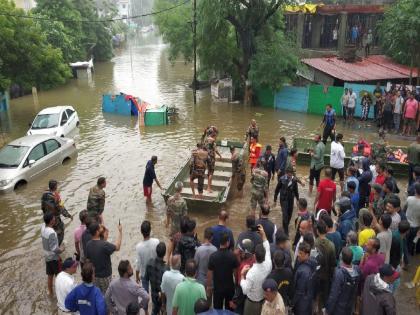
(117, 148)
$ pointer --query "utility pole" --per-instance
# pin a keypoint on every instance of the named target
(195, 50)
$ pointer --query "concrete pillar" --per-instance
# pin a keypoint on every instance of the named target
(317, 21)
(342, 30)
(299, 29)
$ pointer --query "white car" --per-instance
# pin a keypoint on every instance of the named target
(56, 121)
(28, 157)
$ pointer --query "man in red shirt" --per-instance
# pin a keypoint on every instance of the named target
(326, 194)
(380, 177)
(410, 114)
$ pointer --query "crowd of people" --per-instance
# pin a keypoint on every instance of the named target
(394, 109)
(344, 257)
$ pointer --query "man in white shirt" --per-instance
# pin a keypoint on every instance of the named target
(345, 102)
(170, 280)
(253, 277)
(146, 251)
(351, 105)
(337, 159)
(64, 283)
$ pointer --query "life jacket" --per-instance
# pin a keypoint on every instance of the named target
(198, 164)
(254, 153)
(400, 156)
(367, 149)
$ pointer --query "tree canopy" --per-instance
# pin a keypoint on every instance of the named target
(240, 38)
(77, 40)
(400, 32)
(26, 57)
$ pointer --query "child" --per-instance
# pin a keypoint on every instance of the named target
(354, 196)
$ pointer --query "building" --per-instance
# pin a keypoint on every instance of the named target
(335, 71)
(25, 4)
(325, 29)
(123, 7)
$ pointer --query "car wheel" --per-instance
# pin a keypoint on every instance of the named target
(20, 184)
(62, 136)
(66, 160)
(78, 124)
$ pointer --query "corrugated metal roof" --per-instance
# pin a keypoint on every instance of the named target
(375, 67)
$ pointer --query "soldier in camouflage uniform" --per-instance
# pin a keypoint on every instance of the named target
(199, 162)
(176, 209)
(96, 200)
(253, 131)
(209, 131)
(379, 151)
(238, 169)
(210, 146)
(259, 190)
(51, 202)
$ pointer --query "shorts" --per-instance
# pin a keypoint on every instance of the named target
(52, 267)
(314, 174)
(350, 111)
(147, 191)
(102, 283)
(340, 172)
(200, 185)
(410, 122)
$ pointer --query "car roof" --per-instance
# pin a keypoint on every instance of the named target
(29, 141)
(54, 110)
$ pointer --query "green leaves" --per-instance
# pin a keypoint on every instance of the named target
(234, 37)
(400, 31)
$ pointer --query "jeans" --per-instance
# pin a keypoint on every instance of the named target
(145, 284)
(397, 120)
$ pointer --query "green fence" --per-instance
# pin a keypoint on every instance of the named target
(265, 97)
(319, 96)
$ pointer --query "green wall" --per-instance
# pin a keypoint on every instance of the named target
(318, 99)
(265, 97)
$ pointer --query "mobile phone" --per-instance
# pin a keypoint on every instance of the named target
(254, 228)
(119, 222)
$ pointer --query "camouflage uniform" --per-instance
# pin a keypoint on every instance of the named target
(259, 181)
(211, 149)
(252, 132)
(238, 170)
(96, 201)
(199, 162)
(51, 201)
(379, 152)
(176, 209)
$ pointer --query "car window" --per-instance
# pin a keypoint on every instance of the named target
(63, 118)
(51, 145)
(36, 153)
(45, 121)
(69, 112)
(12, 155)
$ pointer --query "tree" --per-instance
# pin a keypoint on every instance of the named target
(73, 28)
(27, 59)
(68, 33)
(235, 37)
(400, 32)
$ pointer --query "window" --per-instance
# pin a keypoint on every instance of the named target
(63, 118)
(37, 153)
(69, 112)
(51, 145)
(12, 155)
(45, 121)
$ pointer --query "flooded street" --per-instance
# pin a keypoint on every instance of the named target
(117, 148)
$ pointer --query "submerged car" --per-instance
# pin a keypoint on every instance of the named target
(28, 157)
(56, 121)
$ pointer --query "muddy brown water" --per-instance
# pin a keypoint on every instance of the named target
(117, 148)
